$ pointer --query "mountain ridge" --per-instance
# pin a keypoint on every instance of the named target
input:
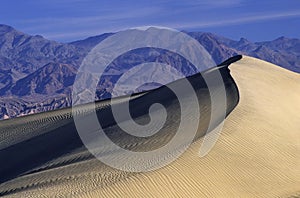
(34, 69)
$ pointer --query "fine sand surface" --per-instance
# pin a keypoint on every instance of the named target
(257, 154)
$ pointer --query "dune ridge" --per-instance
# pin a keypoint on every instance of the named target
(257, 154)
(45, 149)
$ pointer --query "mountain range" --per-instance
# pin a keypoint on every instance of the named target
(37, 74)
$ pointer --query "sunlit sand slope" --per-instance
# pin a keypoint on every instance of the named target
(257, 154)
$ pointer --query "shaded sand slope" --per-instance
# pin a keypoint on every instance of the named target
(44, 150)
(257, 155)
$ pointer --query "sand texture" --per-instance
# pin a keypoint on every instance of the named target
(257, 154)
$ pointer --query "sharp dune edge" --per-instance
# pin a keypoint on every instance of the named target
(257, 154)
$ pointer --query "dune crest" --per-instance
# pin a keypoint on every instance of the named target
(257, 154)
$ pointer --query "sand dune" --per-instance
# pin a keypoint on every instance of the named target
(44, 149)
(257, 155)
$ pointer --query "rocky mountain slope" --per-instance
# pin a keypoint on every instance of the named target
(37, 74)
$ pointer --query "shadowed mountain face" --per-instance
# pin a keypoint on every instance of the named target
(36, 70)
(52, 78)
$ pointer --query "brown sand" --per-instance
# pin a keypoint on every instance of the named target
(257, 154)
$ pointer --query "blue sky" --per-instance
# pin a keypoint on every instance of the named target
(68, 20)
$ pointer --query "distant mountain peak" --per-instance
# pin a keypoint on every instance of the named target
(281, 39)
(92, 41)
(244, 41)
(5, 29)
(34, 69)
